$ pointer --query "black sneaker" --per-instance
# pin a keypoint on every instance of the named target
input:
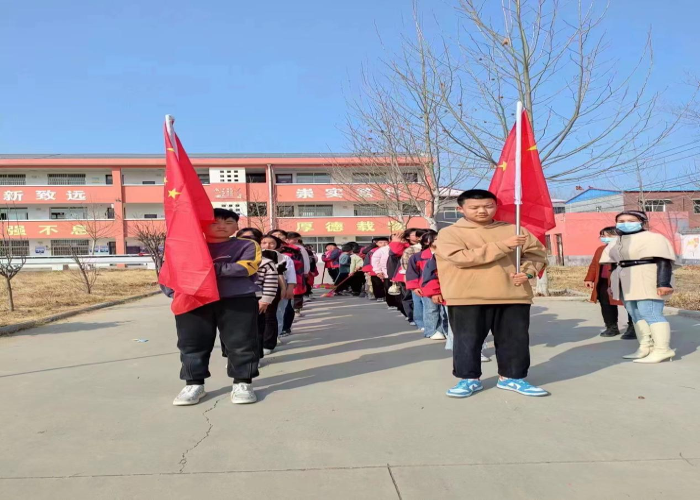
(611, 331)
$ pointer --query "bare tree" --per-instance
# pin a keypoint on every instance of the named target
(588, 117)
(14, 249)
(93, 226)
(396, 130)
(152, 234)
(257, 213)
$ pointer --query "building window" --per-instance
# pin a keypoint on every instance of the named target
(255, 178)
(17, 248)
(110, 213)
(314, 178)
(410, 176)
(410, 209)
(149, 183)
(65, 247)
(655, 205)
(150, 216)
(109, 179)
(368, 178)
(451, 214)
(284, 178)
(14, 213)
(13, 179)
(203, 177)
(559, 210)
(66, 179)
(370, 211)
(285, 210)
(72, 213)
(257, 209)
(318, 242)
(696, 206)
(363, 241)
(315, 210)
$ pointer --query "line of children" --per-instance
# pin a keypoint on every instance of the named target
(269, 297)
(376, 285)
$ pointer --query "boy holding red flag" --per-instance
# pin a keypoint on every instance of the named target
(211, 279)
(478, 250)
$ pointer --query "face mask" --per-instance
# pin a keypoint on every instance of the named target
(629, 227)
(607, 239)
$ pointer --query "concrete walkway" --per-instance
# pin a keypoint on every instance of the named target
(352, 408)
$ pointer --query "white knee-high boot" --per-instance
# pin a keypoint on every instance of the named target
(643, 331)
(661, 350)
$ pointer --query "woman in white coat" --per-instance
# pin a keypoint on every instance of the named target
(643, 279)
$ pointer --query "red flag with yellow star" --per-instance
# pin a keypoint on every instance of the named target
(536, 212)
(188, 268)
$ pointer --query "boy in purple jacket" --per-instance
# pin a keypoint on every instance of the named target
(235, 315)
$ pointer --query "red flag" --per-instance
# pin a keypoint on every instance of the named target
(536, 212)
(188, 268)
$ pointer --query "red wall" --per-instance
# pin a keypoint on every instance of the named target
(580, 231)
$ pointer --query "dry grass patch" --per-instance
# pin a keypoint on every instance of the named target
(39, 294)
(687, 295)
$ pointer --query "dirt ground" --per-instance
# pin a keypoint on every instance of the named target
(39, 294)
(686, 296)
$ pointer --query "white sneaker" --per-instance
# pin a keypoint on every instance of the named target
(243, 394)
(392, 308)
(267, 352)
(485, 358)
(190, 395)
(438, 336)
(412, 323)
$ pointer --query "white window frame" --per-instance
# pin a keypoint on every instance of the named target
(314, 206)
(647, 205)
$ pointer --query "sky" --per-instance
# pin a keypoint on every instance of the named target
(91, 76)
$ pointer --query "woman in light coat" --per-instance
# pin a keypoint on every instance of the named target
(643, 279)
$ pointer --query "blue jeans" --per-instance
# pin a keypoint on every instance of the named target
(280, 314)
(418, 310)
(434, 317)
(650, 310)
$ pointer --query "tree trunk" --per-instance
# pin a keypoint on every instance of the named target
(10, 297)
(432, 222)
(543, 285)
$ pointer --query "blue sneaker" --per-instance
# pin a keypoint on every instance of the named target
(521, 386)
(465, 388)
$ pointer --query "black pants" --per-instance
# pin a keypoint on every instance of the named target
(609, 311)
(377, 287)
(237, 322)
(271, 327)
(392, 300)
(509, 324)
(289, 313)
(333, 273)
(357, 283)
(407, 301)
(341, 281)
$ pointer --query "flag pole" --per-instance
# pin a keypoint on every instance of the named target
(518, 198)
(169, 122)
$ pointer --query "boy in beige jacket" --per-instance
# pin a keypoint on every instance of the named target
(476, 265)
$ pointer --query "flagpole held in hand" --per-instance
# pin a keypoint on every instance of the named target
(518, 198)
